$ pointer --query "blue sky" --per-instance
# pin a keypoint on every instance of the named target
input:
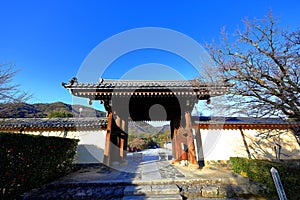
(49, 40)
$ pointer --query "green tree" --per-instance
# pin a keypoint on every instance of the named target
(59, 114)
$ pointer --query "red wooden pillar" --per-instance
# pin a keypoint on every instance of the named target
(125, 129)
(120, 138)
(178, 144)
(190, 139)
(106, 159)
(178, 141)
(183, 144)
(122, 146)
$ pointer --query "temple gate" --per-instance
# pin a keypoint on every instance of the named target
(126, 100)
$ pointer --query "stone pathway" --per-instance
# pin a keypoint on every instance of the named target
(150, 172)
(148, 178)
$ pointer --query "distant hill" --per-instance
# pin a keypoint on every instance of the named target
(24, 110)
(41, 110)
(164, 128)
(140, 127)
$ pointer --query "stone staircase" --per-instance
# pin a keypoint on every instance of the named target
(149, 180)
(170, 192)
(168, 189)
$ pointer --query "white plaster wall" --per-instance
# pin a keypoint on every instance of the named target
(263, 148)
(217, 144)
(223, 144)
(90, 147)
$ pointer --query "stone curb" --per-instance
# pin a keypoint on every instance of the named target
(154, 197)
(151, 190)
(153, 182)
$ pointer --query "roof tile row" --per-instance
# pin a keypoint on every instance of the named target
(140, 84)
(6, 123)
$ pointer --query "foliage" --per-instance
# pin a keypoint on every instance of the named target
(162, 138)
(59, 114)
(148, 140)
(137, 143)
(144, 135)
(28, 161)
(263, 62)
(259, 170)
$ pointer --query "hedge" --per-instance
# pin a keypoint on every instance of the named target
(29, 161)
(259, 170)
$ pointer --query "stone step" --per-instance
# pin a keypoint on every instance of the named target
(190, 189)
(143, 192)
(203, 198)
(221, 191)
(239, 180)
(151, 190)
(154, 197)
(75, 193)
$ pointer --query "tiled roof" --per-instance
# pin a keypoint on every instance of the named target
(150, 88)
(52, 123)
(138, 84)
(28, 124)
(244, 122)
(143, 84)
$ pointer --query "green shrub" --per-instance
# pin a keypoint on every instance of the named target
(259, 170)
(59, 114)
(28, 161)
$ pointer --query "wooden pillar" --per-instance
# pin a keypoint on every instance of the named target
(115, 140)
(178, 141)
(122, 146)
(173, 138)
(199, 148)
(106, 159)
(125, 129)
(118, 121)
(120, 138)
(182, 143)
(115, 144)
(190, 139)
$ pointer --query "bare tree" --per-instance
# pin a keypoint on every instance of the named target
(10, 92)
(264, 62)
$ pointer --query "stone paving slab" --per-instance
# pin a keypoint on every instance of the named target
(155, 172)
(143, 171)
(151, 190)
(212, 175)
(154, 197)
(137, 190)
(164, 189)
(150, 171)
(202, 198)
